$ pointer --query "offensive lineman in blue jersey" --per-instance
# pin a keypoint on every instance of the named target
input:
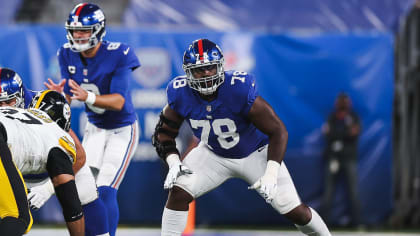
(15, 94)
(98, 74)
(240, 136)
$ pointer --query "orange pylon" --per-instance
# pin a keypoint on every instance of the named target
(189, 229)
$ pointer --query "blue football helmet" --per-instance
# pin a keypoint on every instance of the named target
(85, 16)
(11, 87)
(202, 55)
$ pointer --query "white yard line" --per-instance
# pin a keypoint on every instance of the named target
(204, 232)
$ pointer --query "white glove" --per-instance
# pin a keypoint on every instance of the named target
(267, 184)
(176, 169)
(38, 195)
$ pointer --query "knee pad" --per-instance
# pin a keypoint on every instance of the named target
(86, 186)
(58, 163)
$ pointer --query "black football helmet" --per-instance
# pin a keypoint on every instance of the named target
(55, 105)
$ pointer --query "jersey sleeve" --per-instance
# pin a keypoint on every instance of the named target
(173, 93)
(128, 58)
(252, 94)
(246, 92)
(120, 82)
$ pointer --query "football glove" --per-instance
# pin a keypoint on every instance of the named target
(38, 195)
(267, 184)
(176, 169)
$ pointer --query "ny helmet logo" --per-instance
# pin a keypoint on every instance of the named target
(202, 58)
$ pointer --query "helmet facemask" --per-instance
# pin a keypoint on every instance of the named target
(209, 84)
(97, 33)
(18, 96)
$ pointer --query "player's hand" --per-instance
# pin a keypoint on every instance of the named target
(176, 169)
(55, 87)
(38, 195)
(78, 92)
(267, 184)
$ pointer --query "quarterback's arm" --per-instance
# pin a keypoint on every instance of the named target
(265, 119)
(113, 101)
(80, 152)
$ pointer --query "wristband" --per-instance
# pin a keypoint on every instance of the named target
(91, 98)
(172, 159)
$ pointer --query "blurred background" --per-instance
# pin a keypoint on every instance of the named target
(303, 53)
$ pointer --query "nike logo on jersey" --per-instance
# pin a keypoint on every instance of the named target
(126, 51)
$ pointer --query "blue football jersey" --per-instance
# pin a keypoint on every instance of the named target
(97, 75)
(28, 95)
(222, 123)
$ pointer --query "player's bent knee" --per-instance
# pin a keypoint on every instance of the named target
(86, 187)
(69, 200)
(58, 163)
(300, 215)
(87, 195)
(178, 194)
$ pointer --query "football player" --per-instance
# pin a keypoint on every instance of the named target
(15, 94)
(240, 136)
(39, 143)
(98, 73)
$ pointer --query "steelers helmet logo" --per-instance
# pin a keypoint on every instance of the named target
(66, 111)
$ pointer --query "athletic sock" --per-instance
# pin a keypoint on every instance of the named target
(173, 222)
(109, 197)
(96, 218)
(315, 227)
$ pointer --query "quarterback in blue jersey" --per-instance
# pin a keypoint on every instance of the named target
(15, 94)
(240, 136)
(98, 73)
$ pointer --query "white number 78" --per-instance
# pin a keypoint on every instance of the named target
(227, 139)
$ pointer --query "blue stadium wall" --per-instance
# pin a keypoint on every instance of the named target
(300, 75)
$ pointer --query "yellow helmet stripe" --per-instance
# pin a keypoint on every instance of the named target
(41, 97)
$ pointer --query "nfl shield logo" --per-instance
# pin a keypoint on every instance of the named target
(208, 108)
(85, 72)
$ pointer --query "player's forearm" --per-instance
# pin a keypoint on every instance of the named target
(80, 152)
(277, 146)
(114, 102)
(76, 228)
